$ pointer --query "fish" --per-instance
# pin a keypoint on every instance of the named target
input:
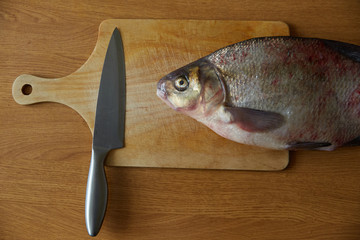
(284, 93)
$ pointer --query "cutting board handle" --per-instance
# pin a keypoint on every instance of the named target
(29, 89)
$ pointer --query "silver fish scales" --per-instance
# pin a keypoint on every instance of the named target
(275, 92)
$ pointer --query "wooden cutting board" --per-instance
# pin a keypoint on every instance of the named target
(155, 135)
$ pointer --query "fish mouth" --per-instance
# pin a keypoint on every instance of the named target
(162, 93)
(161, 90)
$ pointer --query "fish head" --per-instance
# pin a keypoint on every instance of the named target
(195, 89)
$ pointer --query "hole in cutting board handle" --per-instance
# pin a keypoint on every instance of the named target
(26, 89)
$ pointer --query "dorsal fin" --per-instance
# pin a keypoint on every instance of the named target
(349, 50)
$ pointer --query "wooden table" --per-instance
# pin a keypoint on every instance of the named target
(45, 148)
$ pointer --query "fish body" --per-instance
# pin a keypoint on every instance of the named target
(273, 92)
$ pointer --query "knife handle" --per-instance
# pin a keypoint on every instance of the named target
(96, 192)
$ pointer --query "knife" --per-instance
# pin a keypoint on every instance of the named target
(109, 131)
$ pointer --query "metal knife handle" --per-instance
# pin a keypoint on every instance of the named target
(96, 192)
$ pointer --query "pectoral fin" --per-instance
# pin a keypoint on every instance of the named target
(253, 120)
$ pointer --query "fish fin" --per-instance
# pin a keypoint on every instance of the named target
(352, 143)
(253, 120)
(307, 145)
(349, 50)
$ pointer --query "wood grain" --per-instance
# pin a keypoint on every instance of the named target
(153, 131)
(45, 148)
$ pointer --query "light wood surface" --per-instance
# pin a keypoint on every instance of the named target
(45, 148)
(155, 135)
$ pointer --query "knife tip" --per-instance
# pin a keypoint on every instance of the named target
(115, 30)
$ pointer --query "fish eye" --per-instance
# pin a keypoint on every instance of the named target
(181, 84)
